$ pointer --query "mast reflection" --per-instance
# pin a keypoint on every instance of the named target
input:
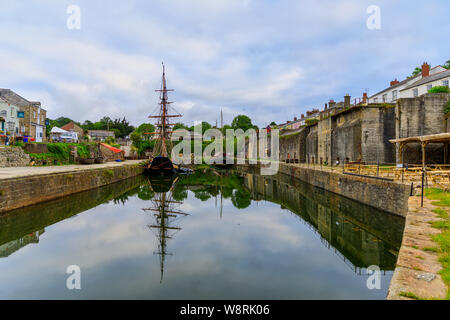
(166, 213)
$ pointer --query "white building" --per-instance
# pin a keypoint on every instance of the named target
(9, 121)
(394, 91)
(422, 86)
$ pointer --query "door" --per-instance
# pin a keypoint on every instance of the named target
(39, 134)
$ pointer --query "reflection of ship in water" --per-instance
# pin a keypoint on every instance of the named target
(8, 248)
(165, 211)
(360, 235)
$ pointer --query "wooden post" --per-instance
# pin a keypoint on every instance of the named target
(445, 153)
(421, 200)
(402, 145)
(424, 145)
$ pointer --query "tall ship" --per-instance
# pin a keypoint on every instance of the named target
(161, 162)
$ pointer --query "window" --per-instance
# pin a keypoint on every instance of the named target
(445, 83)
(384, 97)
(415, 92)
(394, 95)
(375, 100)
(34, 114)
(429, 87)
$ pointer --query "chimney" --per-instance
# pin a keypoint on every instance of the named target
(331, 103)
(295, 118)
(326, 106)
(393, 83)
(303, 115)
(425, 70)
(347, 101)
(364, 100)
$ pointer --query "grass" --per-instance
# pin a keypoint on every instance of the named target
(442, 199)
(409, 295)
(61, 151)
(431, 249)
(441, 213)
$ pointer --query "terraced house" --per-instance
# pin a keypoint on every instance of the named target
(9, 121)
(34, 116)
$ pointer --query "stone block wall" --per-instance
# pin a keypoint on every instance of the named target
(385, 195)
(324, 139)
(347, 139)
(363, 134)
(111, 155)
(294, 146)
(419, 116)
(20, 192)
(311, 144)
(13, 157)
(36, 148)
(377, 128)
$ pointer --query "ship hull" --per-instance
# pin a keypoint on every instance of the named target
(159, 166)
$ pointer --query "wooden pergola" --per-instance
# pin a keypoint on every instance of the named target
(424, 141)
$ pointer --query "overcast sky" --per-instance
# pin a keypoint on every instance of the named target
(269, 59)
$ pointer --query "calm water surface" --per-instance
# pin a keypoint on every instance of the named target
(207, 236)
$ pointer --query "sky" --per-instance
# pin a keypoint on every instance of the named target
(271, 60)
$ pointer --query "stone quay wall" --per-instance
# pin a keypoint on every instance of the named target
(28, 190)
(420, 116)
(13, 157)
(379, 193)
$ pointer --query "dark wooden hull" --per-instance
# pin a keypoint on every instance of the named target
(159, 166)
(86, 161)
(100, 160)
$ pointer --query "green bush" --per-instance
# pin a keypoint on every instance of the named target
(19, 144)
(310, 122)
(439, 89)
(61, 151)
(447, 108)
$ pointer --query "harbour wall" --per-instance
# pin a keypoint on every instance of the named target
(383, 194)
(27, 190)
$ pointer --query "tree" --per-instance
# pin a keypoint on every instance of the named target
(180, 125)
(416, 71)
(447, 65)
(242, 122)
(273, 123)
(123, 126)
(241, 199)
(205, 126)
(87, 124)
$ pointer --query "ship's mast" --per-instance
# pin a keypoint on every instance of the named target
(163, 126)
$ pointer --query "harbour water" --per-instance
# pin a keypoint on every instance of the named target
(211, 235)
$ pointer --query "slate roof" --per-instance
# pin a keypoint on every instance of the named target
(13, 98)
(101, 133)
(401, 83)
(430, 78)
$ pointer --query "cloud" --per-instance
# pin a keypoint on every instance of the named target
(252, 57)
